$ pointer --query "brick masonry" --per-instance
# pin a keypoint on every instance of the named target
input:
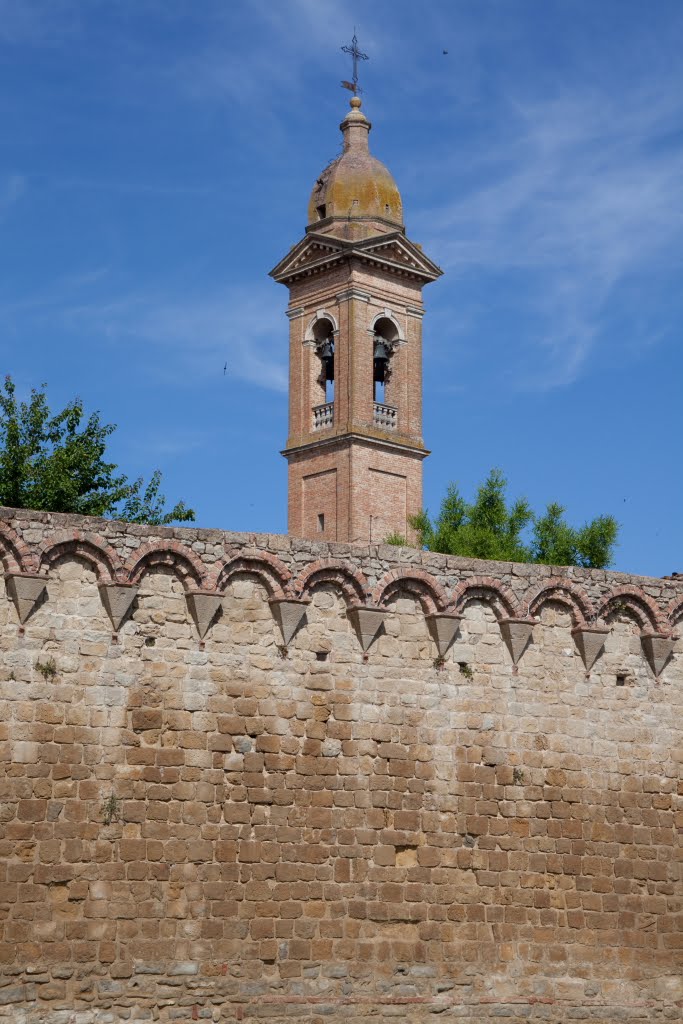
(225, 829)
(332, 472)
(355, 475)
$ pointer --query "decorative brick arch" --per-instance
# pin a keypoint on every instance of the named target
(562, 591)
(102, 557)
(387, 314)
(486, 588)
(675, 611)
(321, 314)
(353, 584)
(418, 583)
(267, 568)
(15, 554)
(170, 555)
(642, 608)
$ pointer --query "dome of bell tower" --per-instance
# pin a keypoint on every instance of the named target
(355, 196)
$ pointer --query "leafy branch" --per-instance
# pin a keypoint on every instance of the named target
(56, 462)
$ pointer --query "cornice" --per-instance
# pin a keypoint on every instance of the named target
(366, 250)
(357, 437)
(353, 293)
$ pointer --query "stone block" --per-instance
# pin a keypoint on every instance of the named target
(658, 649)
(17, 994)
(25, 752)
(517, 634)
(590, 641)
(203, 606)
(443, 627)
(26, 590)
(117, 599)
(146, 718)
(290, 615)
(368, 621)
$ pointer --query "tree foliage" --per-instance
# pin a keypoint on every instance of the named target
(491, 528)
(56, 462)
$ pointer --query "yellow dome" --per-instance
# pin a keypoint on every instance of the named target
(356, 187)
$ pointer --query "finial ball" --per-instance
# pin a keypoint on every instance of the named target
(355, 102)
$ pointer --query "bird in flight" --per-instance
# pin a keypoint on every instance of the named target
(225, 369)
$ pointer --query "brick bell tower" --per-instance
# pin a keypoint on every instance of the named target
(355, 281)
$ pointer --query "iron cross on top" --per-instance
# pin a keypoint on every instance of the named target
(356, 55)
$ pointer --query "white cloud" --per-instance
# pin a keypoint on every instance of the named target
(12, 188)
(192, 338)
(36, 21)
(578, 195)
(286, 41)
(243, 326)
(130, 187)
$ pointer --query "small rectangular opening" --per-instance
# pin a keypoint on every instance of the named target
(321, 522)
(621, 679)
(322, 211)
(321, 655)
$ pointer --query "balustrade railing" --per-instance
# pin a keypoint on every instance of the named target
(385, 416)
(323, 415)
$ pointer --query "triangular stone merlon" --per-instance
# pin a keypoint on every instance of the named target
(290, 615)
(517, 634)
(117, 599)
(367, 621)
(25, 590)
(203, 606)
(590, 641)
(658, 648)
(443, 627)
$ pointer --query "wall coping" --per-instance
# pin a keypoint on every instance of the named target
(334, 549)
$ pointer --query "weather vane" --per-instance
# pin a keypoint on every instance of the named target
(356, 55)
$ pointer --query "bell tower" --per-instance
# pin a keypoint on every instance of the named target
(355, 446)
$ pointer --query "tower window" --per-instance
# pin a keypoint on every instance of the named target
(385, 340)
(321, 522)
(323, 333)
(380, 370)
(322, 211)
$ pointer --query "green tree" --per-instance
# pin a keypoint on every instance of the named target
(555, 542)
(56, 463)
(491, 528)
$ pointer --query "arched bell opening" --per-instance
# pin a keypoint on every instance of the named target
(385, 340)
(323, 385)
(323, 337)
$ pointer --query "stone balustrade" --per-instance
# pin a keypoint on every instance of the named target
(323, 416)
(384, 416)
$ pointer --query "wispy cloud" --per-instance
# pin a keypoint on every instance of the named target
(37, 21)
(12, 188)
(172, 443)
(575, 197)
(292, 41)
(144, 188)
(239, 328)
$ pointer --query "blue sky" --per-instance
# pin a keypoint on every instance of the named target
(156, 159)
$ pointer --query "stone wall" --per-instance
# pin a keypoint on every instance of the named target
(253, 825)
